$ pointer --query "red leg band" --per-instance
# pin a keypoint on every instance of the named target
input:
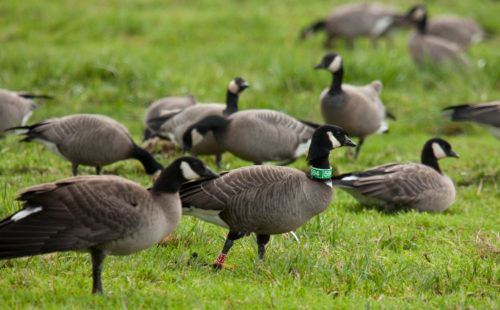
(220, 259)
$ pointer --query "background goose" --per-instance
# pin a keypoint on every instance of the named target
(357, 109)
(16, 108)
(105, 215)
(459, 30)
(424, 46)
(266, 200)
(255, 135)
(163, 109)
(423, 187)
(177, 125)
(90, 140)
(486, 113)
(355, 20)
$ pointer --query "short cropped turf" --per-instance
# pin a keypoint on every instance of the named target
(115, 57)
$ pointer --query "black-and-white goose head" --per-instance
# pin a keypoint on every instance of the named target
(325, 139)
(333, 63)
(180, 171)
(435, 149)
(234, 89)
(417, 15)
(195, 133)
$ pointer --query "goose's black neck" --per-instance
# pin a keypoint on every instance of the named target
(422, 25)
(429, 159)
(170, 180)
(336, 86)
(150, 164)
(231, 103)
(320, 163)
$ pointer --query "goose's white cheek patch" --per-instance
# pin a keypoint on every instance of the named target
(188, 172)
(233, 87)
(333, 140)
(335, 64)
(196, 137)
(438, 151)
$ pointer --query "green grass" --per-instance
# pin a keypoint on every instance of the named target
(116, 57)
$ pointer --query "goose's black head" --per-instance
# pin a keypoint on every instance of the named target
(195, 133)
(418, 16)
(180, 171)
(435, 149)
(325, 139)
(331, 62)
(237, 85)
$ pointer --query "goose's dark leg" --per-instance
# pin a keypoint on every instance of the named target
(231, 237)
(97, 170)
(262, 240)
(98, 257)
(358, 147)
(218, 160)
(74, 168)
(286, 163)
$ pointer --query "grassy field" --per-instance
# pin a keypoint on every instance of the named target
(115, 57)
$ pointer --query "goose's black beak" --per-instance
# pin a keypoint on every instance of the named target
(209, 174)
(349, 142)
(452, 153)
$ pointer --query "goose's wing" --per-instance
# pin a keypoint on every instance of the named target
(485, 113)
(71, 214)
(395, 183)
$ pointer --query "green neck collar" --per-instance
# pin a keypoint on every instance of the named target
(318, 173)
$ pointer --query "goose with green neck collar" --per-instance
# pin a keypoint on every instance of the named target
(265, 200)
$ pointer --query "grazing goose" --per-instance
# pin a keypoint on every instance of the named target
(163, 109)
(105, 215)
(266, 200)
(459, 30)
(357, 109)
(16, 108)
(423, 187)
(177, 125)
(425, 47)
(355, 20)
(486, 113)
(255, 135)
(90, 140)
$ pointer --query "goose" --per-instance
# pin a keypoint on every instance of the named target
(485, 113)
(104, 215)
(16, 108)
(264, 199)
(90, 140)
(424, 46)
(355, 20)
(255, 135)
(357, 109)
(396, 186)
(459, 30)
(177, 125)
(163, 109)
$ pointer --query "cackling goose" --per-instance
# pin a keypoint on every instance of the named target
(357, 109)
(423, 187)
(266, 200)
(104, 215)
(255, 135)
(88, 139)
